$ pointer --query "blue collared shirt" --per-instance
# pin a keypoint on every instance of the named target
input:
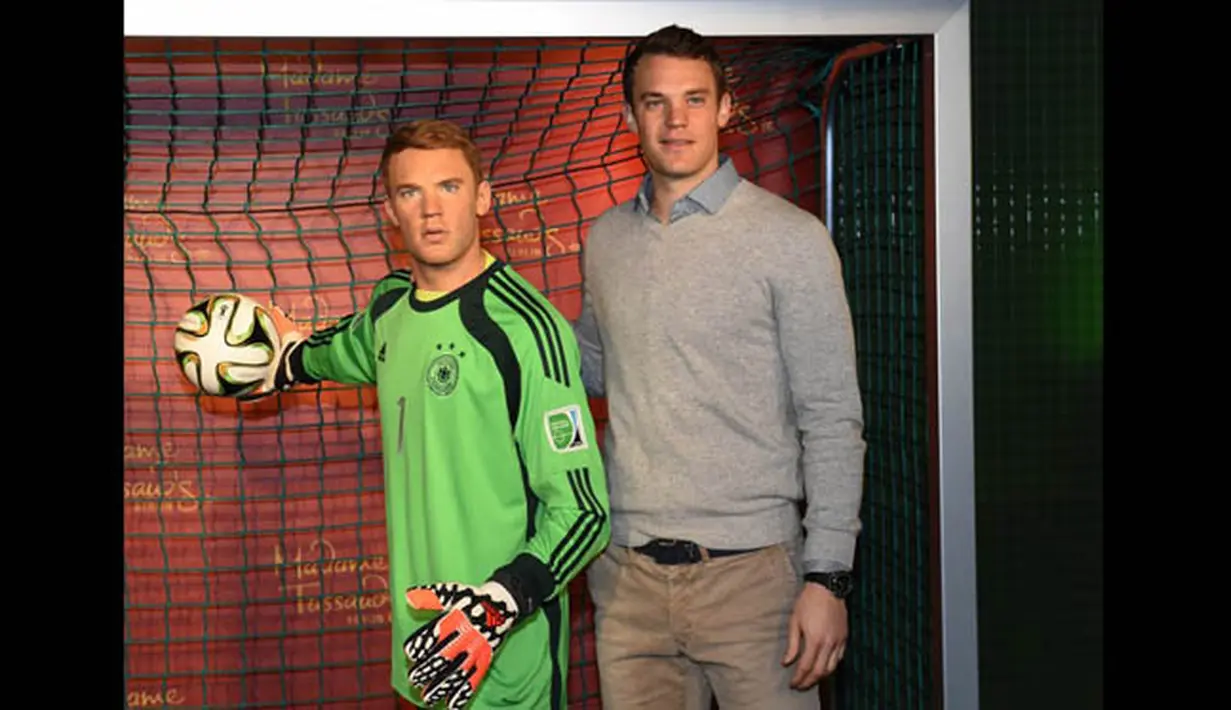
(708, 197)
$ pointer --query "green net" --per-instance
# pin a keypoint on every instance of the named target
(878, 227)
(254, 540)
(1039, 190)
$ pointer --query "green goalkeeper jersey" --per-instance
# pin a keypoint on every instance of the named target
(491, 464)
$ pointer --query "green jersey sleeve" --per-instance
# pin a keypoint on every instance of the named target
(556, 437)
(344, 352)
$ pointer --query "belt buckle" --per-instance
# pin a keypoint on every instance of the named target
(679, 551)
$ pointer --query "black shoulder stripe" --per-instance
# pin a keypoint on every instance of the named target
(378, 307)
(567, 556)
(325, 335)
(480, 325)
(532, 324)
(386, 301)
(532, 303)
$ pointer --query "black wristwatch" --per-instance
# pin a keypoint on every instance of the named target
(838, 583)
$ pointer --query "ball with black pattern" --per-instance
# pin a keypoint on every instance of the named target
(225, 344)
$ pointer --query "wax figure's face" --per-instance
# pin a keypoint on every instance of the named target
(435, 201)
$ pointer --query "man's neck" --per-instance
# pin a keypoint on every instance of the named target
(668, 191)
(448, 277)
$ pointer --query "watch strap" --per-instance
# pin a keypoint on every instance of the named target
(838, 583)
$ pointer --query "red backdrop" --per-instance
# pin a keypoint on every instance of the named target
(254, 537)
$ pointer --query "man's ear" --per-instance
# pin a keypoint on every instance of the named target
(483, 202)
(630, 118)
(724, 109)
(390, 213)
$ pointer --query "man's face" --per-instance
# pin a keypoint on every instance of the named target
(435, 203)
(677, 114)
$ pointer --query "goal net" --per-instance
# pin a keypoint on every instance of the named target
(254, 539)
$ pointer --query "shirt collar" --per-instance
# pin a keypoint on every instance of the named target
(709, 196)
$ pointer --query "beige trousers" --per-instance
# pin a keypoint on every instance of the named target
(674, 637)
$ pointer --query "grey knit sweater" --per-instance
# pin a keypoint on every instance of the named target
(723, 342)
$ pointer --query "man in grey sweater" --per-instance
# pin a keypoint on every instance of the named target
(715, 322)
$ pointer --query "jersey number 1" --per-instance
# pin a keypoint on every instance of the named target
(401, 421)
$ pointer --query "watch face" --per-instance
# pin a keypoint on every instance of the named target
(840, 584)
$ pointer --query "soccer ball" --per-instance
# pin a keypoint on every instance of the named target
(226, 344)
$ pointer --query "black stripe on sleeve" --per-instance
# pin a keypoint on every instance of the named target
(565, 558)
(325, 335)
(555, 626)
(377, 308)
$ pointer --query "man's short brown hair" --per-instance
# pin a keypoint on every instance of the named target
(674, 41)
(431, 134)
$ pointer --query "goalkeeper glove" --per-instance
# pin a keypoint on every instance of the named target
(286, 338)
(450, 655)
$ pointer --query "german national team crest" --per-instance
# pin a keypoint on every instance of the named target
(443, 371)
(565, 430)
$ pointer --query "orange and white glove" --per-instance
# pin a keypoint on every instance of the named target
(450, 655)
(287, 339)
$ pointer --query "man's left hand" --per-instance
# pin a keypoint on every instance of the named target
(816, 635)
(450, 655)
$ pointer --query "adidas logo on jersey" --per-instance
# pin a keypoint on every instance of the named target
(381, 355)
